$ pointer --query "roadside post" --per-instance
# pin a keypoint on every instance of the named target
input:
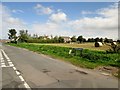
(74, 51)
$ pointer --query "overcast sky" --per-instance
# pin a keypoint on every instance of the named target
(89, 19)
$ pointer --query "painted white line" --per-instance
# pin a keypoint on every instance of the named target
(21, 78)
(8, 66)
(11, 65)
(3, 65)
(8, 60)
(26, 85)
(14, 68)
(2, 61)
(18, 73)
(5, 54)
(1, 54)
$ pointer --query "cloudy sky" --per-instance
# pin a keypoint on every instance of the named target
(89, 19)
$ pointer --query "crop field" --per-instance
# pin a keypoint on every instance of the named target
(89, 46)
(88, 59)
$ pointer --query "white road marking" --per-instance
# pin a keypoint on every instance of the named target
(1, 55)
(14, 68)
(18, 73)
(27, 86)
(11, 65)
(21, 78)
(5, 54)
(8, 60)
(3, 66)
(2, 61)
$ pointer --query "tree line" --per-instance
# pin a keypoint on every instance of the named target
(24, 36)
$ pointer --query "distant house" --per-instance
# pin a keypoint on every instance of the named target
(4, 40)
(45, 37)
(66, 39)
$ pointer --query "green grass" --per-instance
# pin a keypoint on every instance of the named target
(89, 59)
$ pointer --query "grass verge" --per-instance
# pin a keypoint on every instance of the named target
(89, 59)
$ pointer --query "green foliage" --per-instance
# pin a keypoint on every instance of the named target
(23, 35)
(80, 39)
(61, 40)
(89, 58)
(73, 39)
(12, 34)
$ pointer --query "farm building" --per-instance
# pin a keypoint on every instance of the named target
(98, 44)
(66, 39)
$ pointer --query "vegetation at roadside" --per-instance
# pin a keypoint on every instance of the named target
(88, 59)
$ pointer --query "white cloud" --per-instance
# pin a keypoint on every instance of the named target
(103, 25)
(17, 11)
(50, 28)
(56, 25)
(86, 12)
(58, 17)
(42, 10)
(8, 22)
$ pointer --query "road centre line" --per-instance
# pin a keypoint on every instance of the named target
(18, 73)
(14, 68)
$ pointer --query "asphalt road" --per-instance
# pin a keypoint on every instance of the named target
(26, 69)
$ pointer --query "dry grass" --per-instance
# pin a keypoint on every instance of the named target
(83, 45)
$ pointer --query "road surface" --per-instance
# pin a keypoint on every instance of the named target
(26, 69)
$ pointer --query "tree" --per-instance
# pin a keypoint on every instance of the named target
(12, 34)
(35, 36)
(106, 40)
(73, 39)
(23, 35)
(90, 40)
(101, 39)
(84, 40)
(55, 39)
(61, 40)
(80, 39)
(118, 41)
(97, 39)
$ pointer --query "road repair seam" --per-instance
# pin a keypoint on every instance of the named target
(14, 68)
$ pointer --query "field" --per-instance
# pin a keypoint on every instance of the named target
(89, 59)
(89, 46)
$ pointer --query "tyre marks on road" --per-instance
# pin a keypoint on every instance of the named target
(11, 65)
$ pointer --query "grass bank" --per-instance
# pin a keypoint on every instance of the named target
(89, 59)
